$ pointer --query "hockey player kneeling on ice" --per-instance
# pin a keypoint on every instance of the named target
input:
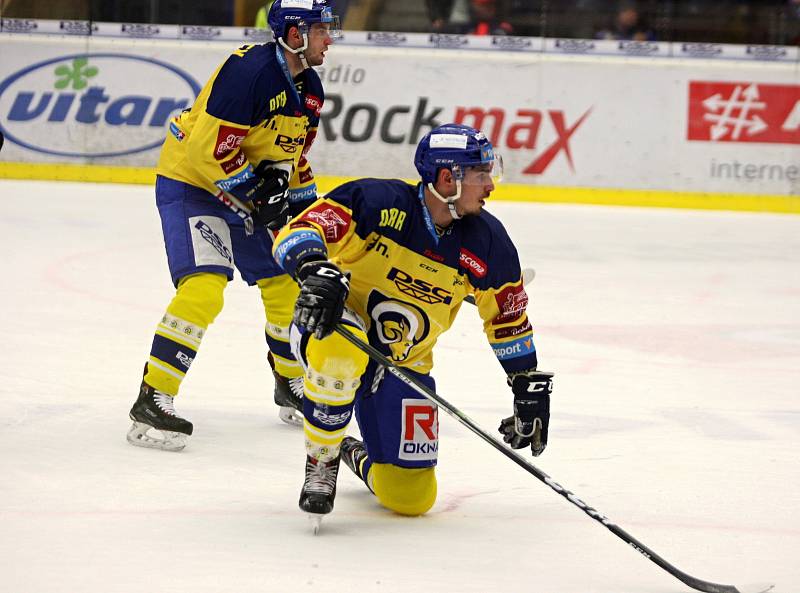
(393, 263)
(222, 151)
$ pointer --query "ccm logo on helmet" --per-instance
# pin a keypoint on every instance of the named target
(472, 262)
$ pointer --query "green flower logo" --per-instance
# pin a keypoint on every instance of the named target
(76, 75)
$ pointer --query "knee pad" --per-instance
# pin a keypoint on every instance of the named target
(199, 298)
(407, 491)
(333, 374)
(334, 368)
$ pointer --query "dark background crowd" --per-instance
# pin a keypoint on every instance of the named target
(720, 21)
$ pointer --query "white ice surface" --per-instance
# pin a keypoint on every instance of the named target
(674, 335)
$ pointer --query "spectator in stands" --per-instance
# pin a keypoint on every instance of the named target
(628, 25)
(261, 15)
(793, 22)
(487, 18)
(439, 12)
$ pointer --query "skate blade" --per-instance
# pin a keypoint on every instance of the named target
(141, 435)
(315, 522)
(290, 416)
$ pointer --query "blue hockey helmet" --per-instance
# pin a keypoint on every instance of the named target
(456, 147)
(284, 14)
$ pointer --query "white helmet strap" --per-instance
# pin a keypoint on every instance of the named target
(451, 201)
(299, 52)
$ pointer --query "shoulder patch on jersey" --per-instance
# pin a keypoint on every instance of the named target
(234, 163)
(472, 262)
(512, 302)
(335, 221)
(509, 332)
(228, 140)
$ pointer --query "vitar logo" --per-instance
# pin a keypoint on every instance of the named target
(92, 105)
(744, 112)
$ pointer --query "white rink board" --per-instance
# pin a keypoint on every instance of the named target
(559, 119)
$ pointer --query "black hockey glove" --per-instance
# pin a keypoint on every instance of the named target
(323, 291)
(270, 197)
(528, 425)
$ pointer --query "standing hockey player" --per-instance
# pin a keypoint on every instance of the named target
(393, 262)
(243, 141)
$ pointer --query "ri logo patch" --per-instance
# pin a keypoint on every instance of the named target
(419, 439)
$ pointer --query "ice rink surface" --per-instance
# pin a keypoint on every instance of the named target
(674, 336)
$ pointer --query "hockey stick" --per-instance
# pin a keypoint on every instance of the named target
(238, 208)
(424, 390)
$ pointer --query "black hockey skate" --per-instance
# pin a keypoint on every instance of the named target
(354, 454)
(319, 489)
(288, 396)
(155, 411)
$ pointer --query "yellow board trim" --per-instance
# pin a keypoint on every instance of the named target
(508, 192)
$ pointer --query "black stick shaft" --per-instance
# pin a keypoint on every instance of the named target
(424, 390)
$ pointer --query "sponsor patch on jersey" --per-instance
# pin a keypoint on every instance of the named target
(236, 162)
(508, 332)
(314, 104)
(333, 220)
(176, 131)
(310, 136)
(228, 141)
(302, 194)
(416, 288)
(419, 438)
(512, 302)
(231, 182)
(289, 144)
(434, 256)
(295, 238)
(520, 347)
(472, 262)
(305, 176)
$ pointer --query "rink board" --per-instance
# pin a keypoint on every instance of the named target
(652, 124)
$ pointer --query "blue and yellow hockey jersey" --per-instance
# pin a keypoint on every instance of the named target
(250, 111)
(407, 282)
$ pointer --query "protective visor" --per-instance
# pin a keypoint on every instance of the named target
(488, 172)
(328, 25)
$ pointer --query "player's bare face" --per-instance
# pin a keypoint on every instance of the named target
(319, 39)
(476, 187)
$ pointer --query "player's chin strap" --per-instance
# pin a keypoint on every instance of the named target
(299, 52)
(451, 201)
